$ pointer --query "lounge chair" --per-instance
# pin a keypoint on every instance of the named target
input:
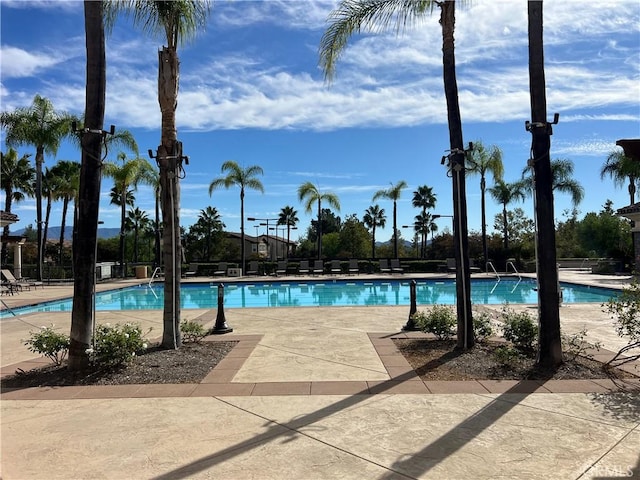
(336, 267)
(353, 266)
(253, 268)
(451, 264)
(395, 266)
(221, 270)
(191, 271)
(6, 290)
(303, 269)
(384, 266)
(15, 284)
(281, 268)
(318, 267)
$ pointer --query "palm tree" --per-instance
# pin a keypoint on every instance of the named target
(393, 193)
(310, 194)
(288, 216)
(48, 193)
(549, 339)
(505, 193)
(136, 220)
(482, 161)
(39, 125)
(174, 22)
(66, 180)
(622, 169)
(424, 198)
(86, 232)
(126, 176)
(561, 180)
(423, 225)
(209, 222)
(16, 181)
(244, 178)
(351, 17)
(374, 217)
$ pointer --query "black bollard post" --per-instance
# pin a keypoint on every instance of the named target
(221, 323)
(411, 324)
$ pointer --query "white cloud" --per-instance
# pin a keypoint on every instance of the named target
(19, 63)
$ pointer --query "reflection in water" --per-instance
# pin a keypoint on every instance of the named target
(328, 293)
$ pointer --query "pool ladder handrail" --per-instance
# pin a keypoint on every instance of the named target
(489, 264)
(515, 270)
(156, 273)
(8, 308)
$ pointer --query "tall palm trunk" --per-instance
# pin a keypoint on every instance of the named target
(319, 229)
(549, 342)
(65, 206)
(169, 153)
(373, 241)
(395, 229)
(242, 229)
(505, 228)
(40, 252)
(483, 208)
(85, 241)
(461, 242)
(123, 216)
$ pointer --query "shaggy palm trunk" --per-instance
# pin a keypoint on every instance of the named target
(86, 231)
(549, 342)
(156, 252)
(169, 161)
(465, 335)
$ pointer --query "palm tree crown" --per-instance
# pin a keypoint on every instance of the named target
(622, 169)
(374, 217)
(561, 178)
(288, 216)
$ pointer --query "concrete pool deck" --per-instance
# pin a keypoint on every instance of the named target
(317, 393)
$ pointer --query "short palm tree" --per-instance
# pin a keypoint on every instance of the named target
(127, 174)
(41, 126)
(622, 169)
(243, 178)
(393, 193)
(482, 161)
(311, 194)
(506, 193)
(66, 181)
(374, 217)
(561, 180)
(16, 180)
(137, 220)
(424, 199)
(288, 216)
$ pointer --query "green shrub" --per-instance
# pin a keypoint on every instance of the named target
(439, 320)
(575, 345)
(192, 331)
(519, 329)
(115, 345)
(506, 355)
(482, 326)
(49, 343)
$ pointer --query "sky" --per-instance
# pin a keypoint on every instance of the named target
(252, 91)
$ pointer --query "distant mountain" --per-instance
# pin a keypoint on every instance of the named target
(53, 233)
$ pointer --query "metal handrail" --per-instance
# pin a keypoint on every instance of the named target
(154, 275)
(489, 264)
(514, 269)
(8, 308)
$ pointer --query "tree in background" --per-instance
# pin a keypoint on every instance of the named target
(16, 181)
(393, 193)
(605, 234)
(310, 194)
(288, 216)
(424, 199)
(204, 235)
(41, 126)
(622, 169)
(354, 238)
(374, 217)
(482, 161)
(136, 221)
(561, 180)
(505, 193)
(66, 182)
(243, 178)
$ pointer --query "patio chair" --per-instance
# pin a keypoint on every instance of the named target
(253, 268)
(395, 266)
(451, 264)
(353, 266)
(221, 270)
(281, 268)
(384, 266)
(6, 290)
(191, 271)
(303, 268)
(318, 267)
(11, 282)
(336, 267)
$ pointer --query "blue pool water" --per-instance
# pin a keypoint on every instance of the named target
(326, 294)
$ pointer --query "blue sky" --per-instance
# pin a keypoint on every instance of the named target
(251, 91)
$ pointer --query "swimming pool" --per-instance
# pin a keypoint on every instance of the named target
(326, 294)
